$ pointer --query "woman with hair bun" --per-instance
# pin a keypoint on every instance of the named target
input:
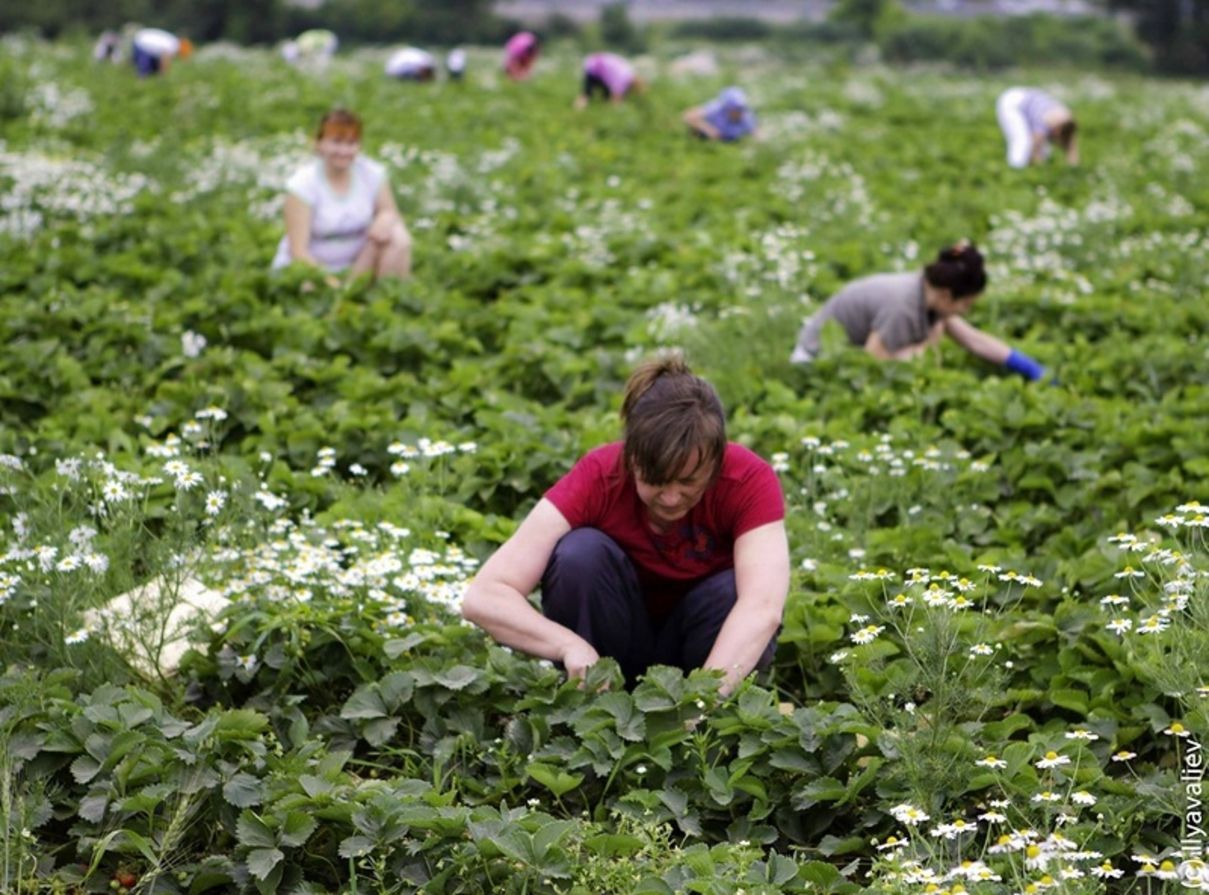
(667, 547)
(897, 316)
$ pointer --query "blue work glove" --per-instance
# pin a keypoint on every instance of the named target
(1024, 365)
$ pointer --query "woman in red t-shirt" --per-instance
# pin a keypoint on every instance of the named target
(666, 548)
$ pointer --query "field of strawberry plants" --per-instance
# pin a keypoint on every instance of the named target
(992, 675)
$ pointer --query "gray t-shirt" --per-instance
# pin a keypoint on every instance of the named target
(889, 304)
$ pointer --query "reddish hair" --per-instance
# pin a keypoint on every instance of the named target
(341, 119)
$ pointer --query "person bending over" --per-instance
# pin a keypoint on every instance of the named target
(520, 55)
(667, 547)
(610, 75)
(153, 50)
(727, 117)
(411, 64)
(897, 316)
(339, 210)
(1032, 120)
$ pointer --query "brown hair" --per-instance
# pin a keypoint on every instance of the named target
(668, 413)
(1064, 133)
(959, 269)
(341, 118)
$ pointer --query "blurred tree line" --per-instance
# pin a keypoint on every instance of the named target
(266, 21)
(1176, 32)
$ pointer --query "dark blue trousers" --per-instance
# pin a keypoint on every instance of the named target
(592, 587)
(144, 63)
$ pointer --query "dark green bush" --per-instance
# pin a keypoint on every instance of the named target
(995, 43)
(722, 28)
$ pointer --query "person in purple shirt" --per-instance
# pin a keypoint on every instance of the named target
(609, 75)
(1031, 120)
(727, 117)
(520, 53)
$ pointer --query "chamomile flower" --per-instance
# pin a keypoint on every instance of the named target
(1124, 755)
(991, 761)
(215, 501)
(867, 634)
(1120, 626)
(1082, 734)
(981, 649)
(909, 815)
(1177, 730)
(113, 491)
(1107, 871)
(1130, 572)
(1166, 870)
(1052, 760)
(1154, 624)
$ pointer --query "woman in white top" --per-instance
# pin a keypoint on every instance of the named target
(154, 49)
(411, 64)
(339, 210)
(1032, 120)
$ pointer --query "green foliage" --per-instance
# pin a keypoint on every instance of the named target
(617, 31)
(337, 727)
(722, 28)
(997, 43)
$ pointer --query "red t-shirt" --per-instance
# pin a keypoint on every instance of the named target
(599, 493)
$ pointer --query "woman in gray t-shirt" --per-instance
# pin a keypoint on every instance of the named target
(897, 316)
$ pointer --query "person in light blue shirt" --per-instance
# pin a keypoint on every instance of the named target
(727, 117)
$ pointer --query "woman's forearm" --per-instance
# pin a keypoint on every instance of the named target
(977, 342)
(509, 618)
(741, 642)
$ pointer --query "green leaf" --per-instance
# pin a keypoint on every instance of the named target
(366, 702)
(820, 873)
(556, 780)
(614, 845)
(252, 832)
(315, 786)
(243, 790)
(84, 768)
(459, 677)
(261, 861)
(396, 689)
(396, 648)
(380, 731)
(241, 724)
(1075, 700)
(296, 829)
(92, 807)
(355, 847)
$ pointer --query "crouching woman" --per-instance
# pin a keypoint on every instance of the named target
(667, 547)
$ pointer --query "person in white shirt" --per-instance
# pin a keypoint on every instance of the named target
(154, 49)
(312, 49)
(1032, 121)
(411, 64)
(340, 213)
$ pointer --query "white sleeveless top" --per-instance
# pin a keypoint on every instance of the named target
(339, 221)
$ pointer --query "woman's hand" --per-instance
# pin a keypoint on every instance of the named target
(382, 225)
(577, 658)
